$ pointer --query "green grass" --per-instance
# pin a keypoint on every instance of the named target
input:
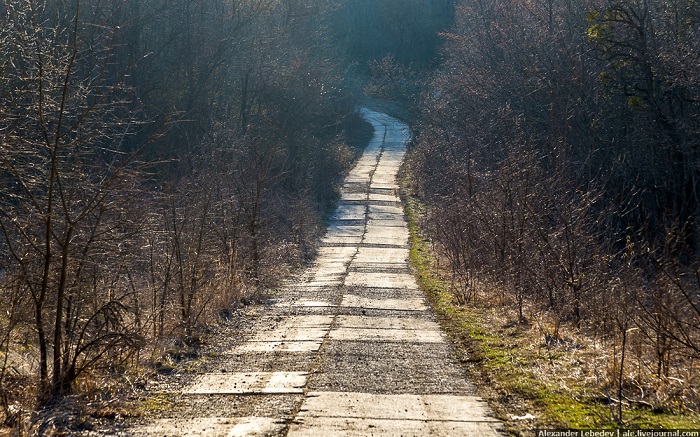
(502, 367)
(157, 402)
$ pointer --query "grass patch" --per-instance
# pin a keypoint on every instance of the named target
(517, 371)
(157, 402)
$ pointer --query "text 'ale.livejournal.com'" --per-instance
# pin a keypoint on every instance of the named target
(617, 432)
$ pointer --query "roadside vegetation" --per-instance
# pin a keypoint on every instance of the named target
(529, 380)
(556, 164)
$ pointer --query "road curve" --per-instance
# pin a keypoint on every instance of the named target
(350, 347)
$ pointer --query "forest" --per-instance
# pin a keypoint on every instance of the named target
(163, 163)
(558, 158)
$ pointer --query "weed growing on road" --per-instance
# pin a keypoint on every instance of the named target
(157, 402)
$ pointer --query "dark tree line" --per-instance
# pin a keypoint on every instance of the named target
(558, 156)
(160, 162)
(406, 30)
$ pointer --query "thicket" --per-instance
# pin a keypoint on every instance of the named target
(160, 163)
(558, 157)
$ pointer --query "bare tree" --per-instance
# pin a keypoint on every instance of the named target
(69, 176)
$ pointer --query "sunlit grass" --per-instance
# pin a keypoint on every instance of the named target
(157, 402)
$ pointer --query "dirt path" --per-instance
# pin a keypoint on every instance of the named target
(350, 349)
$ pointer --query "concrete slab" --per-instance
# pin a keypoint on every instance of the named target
(386, 221)
(387, 170)
(353, 196)
(335, 267)
(354, 187)
(394, 235)
(382, 255)
(398, 133)
(390, 163)
(381, 280)
(414, 304)
(362, 171)
(385, 184)
(386, 175)
(393, 152)
(383, 198)
(280, 346)
(382, 335)
(317, 285)
(367, 160)
(336, 253)
(340, 239)
(210, 427)
(352, 427)
(345, 231)
(370, 322)
(330, 268)
(309, 303)
(248, 383)
(398, 406)
(349, 211)
(385, 212)
(291, 333)
(322, 283)
(333, 261)
(327, 279)
(373, 267)
(308, 321)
